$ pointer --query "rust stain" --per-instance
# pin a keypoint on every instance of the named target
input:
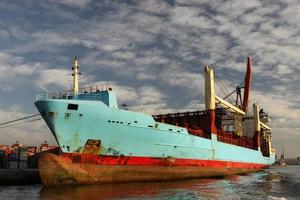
(84, 169)
(92, 147)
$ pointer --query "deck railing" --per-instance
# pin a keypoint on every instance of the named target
(66, 94)
(242, 141)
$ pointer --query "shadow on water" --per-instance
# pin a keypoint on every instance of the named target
(232, 187)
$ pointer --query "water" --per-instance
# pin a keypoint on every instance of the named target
(275, 183)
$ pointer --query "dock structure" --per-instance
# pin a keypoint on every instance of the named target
(19, 166)
(19, 176)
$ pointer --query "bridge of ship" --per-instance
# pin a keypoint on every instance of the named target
(101, 93)
(85, 93)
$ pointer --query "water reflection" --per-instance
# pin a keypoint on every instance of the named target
(277, 183)
(232, 187)
(134, 190)
(285, 181)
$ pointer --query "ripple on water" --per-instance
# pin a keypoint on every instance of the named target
(275, 183)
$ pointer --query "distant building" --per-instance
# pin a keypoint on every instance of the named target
(282, 159)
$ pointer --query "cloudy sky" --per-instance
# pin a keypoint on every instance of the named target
(153, 53)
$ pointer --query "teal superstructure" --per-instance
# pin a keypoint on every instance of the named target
(122, 132)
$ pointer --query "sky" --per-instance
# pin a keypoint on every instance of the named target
(152, 53)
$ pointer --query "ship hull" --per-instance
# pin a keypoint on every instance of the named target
(86, 169)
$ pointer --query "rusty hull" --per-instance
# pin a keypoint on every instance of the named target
(59, 170)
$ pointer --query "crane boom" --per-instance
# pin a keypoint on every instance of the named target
(248, 78)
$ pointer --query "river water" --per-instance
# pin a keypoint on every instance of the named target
(274, 183)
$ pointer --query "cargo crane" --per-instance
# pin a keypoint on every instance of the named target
(228, 115)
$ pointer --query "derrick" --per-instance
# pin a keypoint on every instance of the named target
(230, 123)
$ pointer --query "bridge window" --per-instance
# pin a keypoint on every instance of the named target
(72, 106)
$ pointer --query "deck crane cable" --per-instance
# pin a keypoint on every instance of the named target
(20, 119)
(20, 123)
(33, 120)
(223, 87)
(221, 84)
(232, 99)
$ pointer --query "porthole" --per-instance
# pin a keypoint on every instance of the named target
(67, 115)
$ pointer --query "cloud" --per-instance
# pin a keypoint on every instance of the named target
(125, 94)
(284, 69)
(176, 76)
(285, 119)
(56, 77)
(124, 55)
(283, 111)
(147, 99)
(155, 7)
(230, 7)
(188, 16)
(75, 3)
(290, 13)
(16, 69)
(158, 47)
(27, 133)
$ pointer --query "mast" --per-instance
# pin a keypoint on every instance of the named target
(257, 124)
(210, 101)
(248, 78)
(210, 98)
(75, 74)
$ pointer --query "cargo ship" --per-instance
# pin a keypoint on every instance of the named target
(103, 143)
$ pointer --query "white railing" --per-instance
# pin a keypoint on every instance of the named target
(66, 94)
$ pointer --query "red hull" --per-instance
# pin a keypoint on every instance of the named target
(83, 169)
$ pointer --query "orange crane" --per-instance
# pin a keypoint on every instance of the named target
(247, 88)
